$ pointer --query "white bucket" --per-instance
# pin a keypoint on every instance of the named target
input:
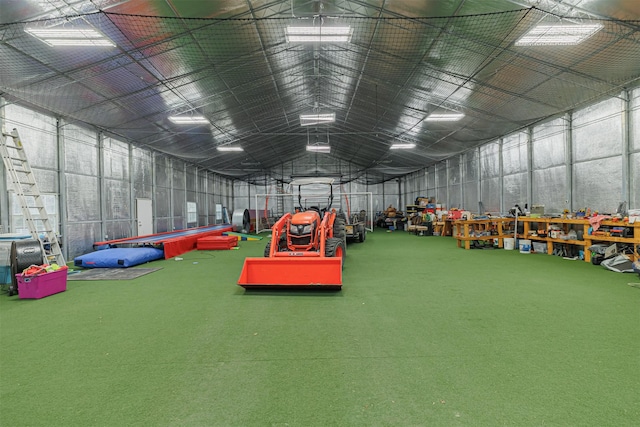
(509, 243)
(525, 246)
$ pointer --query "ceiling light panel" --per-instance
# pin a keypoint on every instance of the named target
(446, 117)
(188, 120)
(317, 119)
(319, 148)
(70, 37)
(318, 34)
(402, 146)
(542, 35)
(229, 148)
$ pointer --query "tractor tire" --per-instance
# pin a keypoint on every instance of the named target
(335, 247)
(340, 230)
(282, 248)
(362, 234)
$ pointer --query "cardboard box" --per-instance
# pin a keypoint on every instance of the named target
(42, 285)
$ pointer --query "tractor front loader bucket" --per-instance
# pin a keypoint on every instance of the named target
(292, 272)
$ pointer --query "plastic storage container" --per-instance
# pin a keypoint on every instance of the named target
(42, 285)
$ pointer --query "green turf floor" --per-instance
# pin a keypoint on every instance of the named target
(422, 334)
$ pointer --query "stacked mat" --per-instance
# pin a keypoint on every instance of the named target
(216, 243)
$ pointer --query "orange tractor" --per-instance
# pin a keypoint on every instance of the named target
(306, 250)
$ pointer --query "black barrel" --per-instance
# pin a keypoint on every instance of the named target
(23, 254)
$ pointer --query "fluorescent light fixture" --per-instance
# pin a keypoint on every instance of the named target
(402, 146)
(230, 148)
(318, 34)
(188, 120)
(319, 148)
(558, 35)
(70, 37)
(444, 117)
(317, 119)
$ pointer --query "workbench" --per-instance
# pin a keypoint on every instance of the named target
(581, 224)
(480, 229)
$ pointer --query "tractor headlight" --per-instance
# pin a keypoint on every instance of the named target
(299, 230)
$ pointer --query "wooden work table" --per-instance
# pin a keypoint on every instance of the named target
(480, 229)
(581, 224)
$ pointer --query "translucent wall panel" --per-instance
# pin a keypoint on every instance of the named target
(211, 199)
(117, 200)
(470, 177)
(81, 150)
(441, 194)
(81, 171)
(514, 190)
(470, 190)
(635, 121)
(47, 180)
(117, 229)
(81, 237)
(142, 173)
(202, 198)
(634, 203)
(391, 196)
(162, 200)
(179, 177)
(548, 144)
(454, 171)
(191, 183)
(162, 193)
(162, 171)
(597, 184)
(490, 194)
(179, 194)
(378, 201)
(431, 181)
(83, 202)
(515, 157)
(38, 134)
(550, 189)
(115, 157)
(490, 160)
(597, 131)
(242, 199)
(163, 225)
(454, 190)
(117, 196)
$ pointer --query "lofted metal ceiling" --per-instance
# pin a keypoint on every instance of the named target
(230, 62)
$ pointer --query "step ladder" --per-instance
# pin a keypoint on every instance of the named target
(31, 203)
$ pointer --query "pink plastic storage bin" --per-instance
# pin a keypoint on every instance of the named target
(42, 285)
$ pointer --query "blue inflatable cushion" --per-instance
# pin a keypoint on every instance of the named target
(118, 257)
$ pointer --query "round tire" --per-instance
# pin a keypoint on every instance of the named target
(335, 248)
(340, 230)
(283, 246)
